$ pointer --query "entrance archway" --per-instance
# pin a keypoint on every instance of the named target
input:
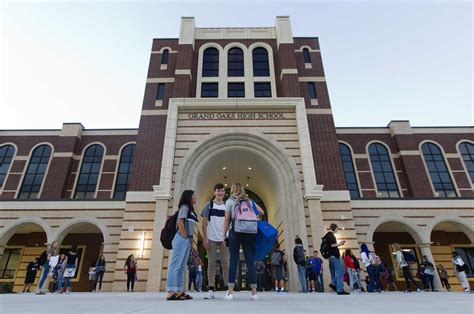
(261, 165)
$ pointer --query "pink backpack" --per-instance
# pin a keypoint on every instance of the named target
(245, 218)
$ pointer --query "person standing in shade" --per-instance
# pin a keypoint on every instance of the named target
(46, 268)
(59, 273)
(351, 270)
(460, 270)
(278, 268)
(428, 273)
(300, 261)
(185, 224)
(192, 268)
(199, 275)
(70, 269)
(403, 265)
(320, 275)
(213, 216)
(443, 276)
(335, 263)
(100, 269)
(260, 268)
(239, 199)
(31, 271)
(130, 269)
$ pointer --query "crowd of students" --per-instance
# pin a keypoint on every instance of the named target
(223, 230)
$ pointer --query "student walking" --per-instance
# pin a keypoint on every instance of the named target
(428, 273)
(46, 268)
(389, 278)
(31, 271)
(58, 273)
(403, 265)
(130, 269)
(372, 264)
(213, 216)
(260, 268)
(443, 276)
(351, 270)
(300, 260)
(100, 269)
(335, 263)
(185, 224)
(241, 215)
(357, 272)
(460, 270)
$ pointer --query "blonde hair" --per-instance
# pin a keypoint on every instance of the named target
(238, 191)
(396, 247)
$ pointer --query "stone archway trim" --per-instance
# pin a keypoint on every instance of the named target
(9, 229)
(418, 236)
(61, 232)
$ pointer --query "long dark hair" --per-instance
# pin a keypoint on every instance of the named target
(129, 258)
(187, 199)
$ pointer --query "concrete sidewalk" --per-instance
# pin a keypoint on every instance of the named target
(110, 302)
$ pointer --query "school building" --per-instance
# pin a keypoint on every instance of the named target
(247, 105)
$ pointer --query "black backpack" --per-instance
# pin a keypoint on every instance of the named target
(325, 248)
(210, 206)
(42, 258)
(169, 231)
(298, 256)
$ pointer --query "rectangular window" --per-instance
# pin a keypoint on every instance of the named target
(312, 90)
(263, 90)
(9, 263)
(236, 90)
(209, 90)
(467, 255)
(160, 93)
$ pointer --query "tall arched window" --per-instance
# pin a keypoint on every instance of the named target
(383, 171)
(164, 56)
(306, 55)
(6, 156)
(124, 171)
(467, 153)
(210, 62)
(349, 170)
(235, 62)
(438, 171)
(261, 65)
(35, 172)
(90, 171)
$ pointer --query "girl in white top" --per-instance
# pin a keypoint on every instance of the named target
(403, 265)
(459, 270)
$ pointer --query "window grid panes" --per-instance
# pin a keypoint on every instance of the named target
(164, 56)
(260, 61)
(90, 171)
(312, 90)
(35, 172)
(124, 172)
(349, 170)
(9, 263)
(467, 153)
(262, 90)
(439, 173)
(306, 55)
(209, 90)
(210, 63)
(383, 171)
(160, 92)
(235, 62)
(236, 90)
(6, 156)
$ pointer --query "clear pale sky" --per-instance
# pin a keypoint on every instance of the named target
(87, 61)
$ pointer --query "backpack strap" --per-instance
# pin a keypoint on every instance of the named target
(255, 208)
(209, 207)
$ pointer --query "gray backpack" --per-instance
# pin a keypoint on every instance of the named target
(277, 259)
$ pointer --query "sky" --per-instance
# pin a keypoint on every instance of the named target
(87, 61)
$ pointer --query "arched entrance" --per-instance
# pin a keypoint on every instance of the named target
(395, 231)
(89, 239)
(262, 166)
(20, 242)
(448, 235)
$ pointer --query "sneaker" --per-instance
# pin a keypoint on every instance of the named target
(343, 293)
(277, 290)
(333, 287)
(210, 294)
(419, 290)
(467, 290)
(228, 297)
(254, 297)
(40, 293)
(407, 291)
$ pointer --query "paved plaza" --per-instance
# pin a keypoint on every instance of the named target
(392, 302)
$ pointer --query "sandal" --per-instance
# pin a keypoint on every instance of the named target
(175, 297)
(185, 296)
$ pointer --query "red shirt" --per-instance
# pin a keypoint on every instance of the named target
(349, 262)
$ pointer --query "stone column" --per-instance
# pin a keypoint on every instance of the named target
(157, 250)
(425, 249)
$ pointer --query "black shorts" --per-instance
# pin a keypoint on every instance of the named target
(313, 276)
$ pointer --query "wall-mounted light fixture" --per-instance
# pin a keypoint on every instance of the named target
(141, 245)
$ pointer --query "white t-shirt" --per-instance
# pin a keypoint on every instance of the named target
(53, 261)
(215, 226)
(401, 260)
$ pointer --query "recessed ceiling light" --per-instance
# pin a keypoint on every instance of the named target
(247, 185)
(225, 184)
(250, 168)
(224, 168)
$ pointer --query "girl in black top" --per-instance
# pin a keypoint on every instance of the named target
(31, 271)
(71, 267)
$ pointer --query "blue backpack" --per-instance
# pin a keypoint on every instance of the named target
(266, 237)
(315, 265)
(409, 258)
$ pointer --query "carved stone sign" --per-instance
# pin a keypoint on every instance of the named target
(236, 116)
